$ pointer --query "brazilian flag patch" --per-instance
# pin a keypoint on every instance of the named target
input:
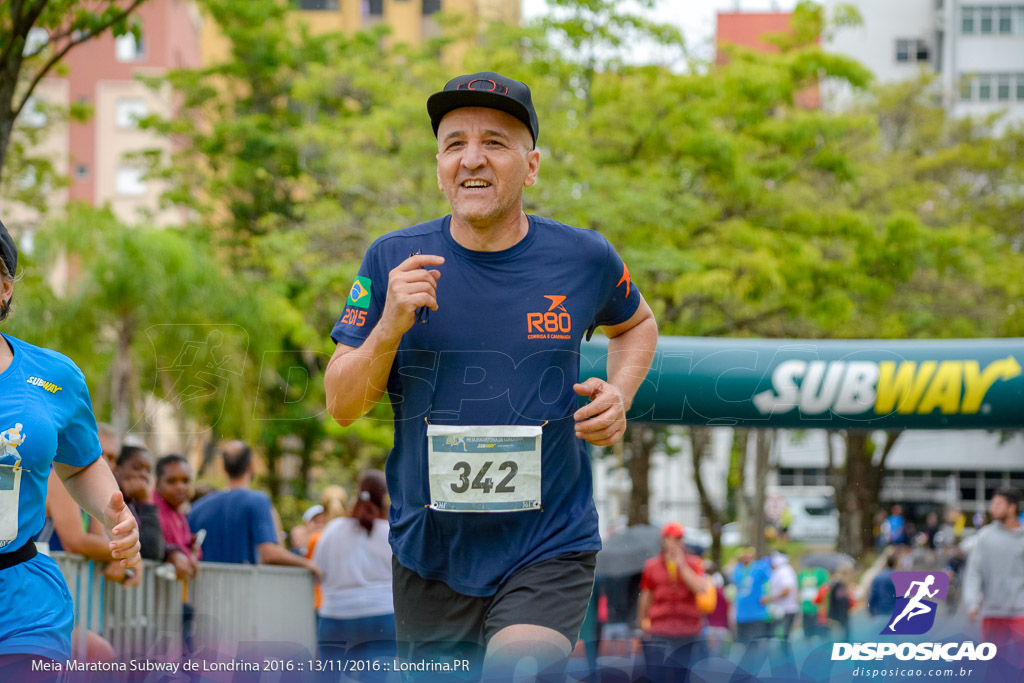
(359, 295)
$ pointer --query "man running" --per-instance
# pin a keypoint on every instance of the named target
(915, 606)
(473, 323)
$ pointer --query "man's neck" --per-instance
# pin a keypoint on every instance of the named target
(496, 237)
(242, 483)
(1011, 523)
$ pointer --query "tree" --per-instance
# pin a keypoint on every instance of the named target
(26, 59)
(742, 214)
(151, 315)
(295, 153)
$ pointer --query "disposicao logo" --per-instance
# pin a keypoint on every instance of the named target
(359, 295)
(912, 615)
(914, 612)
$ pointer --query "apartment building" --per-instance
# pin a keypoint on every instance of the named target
(976, 48)
(410, 21)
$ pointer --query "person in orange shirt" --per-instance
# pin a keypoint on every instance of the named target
(667, 612)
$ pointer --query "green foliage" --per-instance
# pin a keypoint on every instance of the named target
(739, 212)
(23, 63)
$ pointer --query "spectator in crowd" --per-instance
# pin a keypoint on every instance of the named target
(836, 600)
(811, 580)
(239, 522)
(782, 600)
(895, 528)
(110, 443)
(173, 483)
(882, 595)
(717, 630)
(133, 472)
(994, 584)
(667, 611)
(331, 506)
(357, 615)
(931, 529)
(751, 579)
(880, 531)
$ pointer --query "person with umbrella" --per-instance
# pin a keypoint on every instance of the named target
(668, 613)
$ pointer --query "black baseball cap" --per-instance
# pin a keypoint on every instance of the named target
(8, 251)
(485, 89)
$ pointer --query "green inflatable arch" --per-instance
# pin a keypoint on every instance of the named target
(828, 384)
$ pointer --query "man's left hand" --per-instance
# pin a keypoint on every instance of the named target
(601, 422)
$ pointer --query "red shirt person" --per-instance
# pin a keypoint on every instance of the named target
(667, 611)
(173, 481)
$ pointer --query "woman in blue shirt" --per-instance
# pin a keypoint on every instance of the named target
(45, 419)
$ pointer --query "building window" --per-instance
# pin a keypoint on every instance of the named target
(921, 51)
(1006, 20)
(129, 111)
(81, 172)
(902, 50)
(33, 115)
(967, 20)
(128, 181)
(127, 49)
(1020, 87)
(986, 19)
(911, 50)
(318, 5)
(984, 88)
(431, 7)
(375, 8)
(1003, 88)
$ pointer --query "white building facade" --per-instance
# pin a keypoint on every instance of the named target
(976, 48)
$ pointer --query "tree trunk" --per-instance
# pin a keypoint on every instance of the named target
(121, 379)
(855, 501)
(209, 451)
(738, 483)
(638, 445)
(765, 438)
(700, 447)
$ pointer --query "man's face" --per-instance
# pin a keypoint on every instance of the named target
(174, 482)
(1000, 509)
(484, 161)
(110, 449)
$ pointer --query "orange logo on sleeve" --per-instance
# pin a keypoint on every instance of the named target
(555, 323)
(625, 278)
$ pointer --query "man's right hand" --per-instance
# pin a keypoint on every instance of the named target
(972, 615)
(410, 287)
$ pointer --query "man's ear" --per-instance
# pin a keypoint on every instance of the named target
(533, 164)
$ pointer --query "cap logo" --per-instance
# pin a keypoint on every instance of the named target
(494, 86)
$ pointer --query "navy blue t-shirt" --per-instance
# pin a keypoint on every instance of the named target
(236, 523)
(502, 349)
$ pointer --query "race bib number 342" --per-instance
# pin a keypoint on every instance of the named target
(484, 468)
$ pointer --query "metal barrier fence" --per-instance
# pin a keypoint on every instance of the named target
(235, 607)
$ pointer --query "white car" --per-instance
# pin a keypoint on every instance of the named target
(731, 536)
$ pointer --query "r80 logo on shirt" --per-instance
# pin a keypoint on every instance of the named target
(554, 323)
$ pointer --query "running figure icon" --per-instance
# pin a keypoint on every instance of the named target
(915, 607)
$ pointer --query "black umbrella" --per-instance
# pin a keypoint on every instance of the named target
(625, 553)
(830, 561)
